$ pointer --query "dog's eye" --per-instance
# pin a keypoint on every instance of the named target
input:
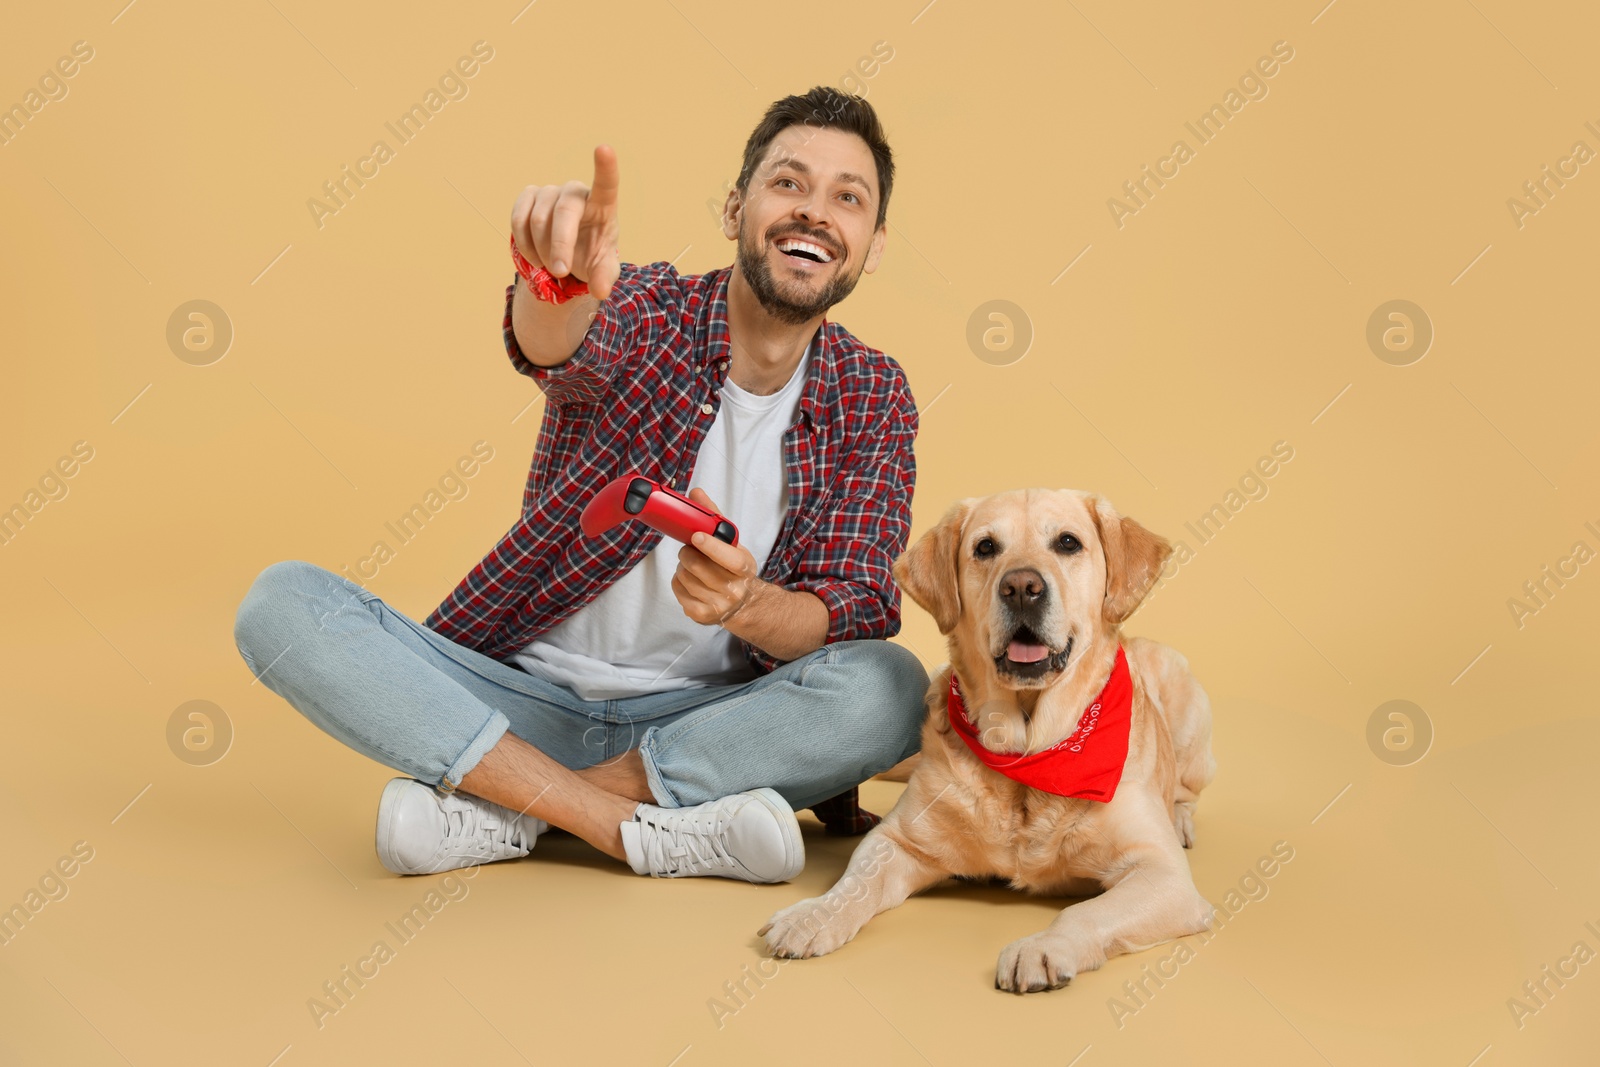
(1069, 544)
(984, 548)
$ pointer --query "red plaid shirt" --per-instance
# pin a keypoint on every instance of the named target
(639, 395)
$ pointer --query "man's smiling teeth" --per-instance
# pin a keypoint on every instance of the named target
(790, 244)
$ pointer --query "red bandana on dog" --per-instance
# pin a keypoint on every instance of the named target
(1086, 765)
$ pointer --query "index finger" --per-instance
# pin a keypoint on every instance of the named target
(603, 190)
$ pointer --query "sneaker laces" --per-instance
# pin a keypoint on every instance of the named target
(481, 827)
(682, 843)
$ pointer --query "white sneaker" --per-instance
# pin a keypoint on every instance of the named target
(752, 836)
(424, 831)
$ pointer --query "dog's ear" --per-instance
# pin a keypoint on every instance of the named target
(927, 570)
(1134, 558)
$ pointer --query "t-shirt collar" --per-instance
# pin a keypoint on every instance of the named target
(820, 395)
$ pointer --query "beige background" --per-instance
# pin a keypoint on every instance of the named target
(1229, 313)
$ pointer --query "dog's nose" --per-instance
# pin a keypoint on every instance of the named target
(1022, 587)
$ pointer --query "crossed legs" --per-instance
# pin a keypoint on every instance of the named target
(592, 803)
(405, 696)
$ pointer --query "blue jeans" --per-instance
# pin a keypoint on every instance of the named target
(403, 695)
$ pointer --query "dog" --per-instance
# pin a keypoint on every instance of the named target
(1030, 588)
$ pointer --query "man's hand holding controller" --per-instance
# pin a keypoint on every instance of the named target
(571, 231)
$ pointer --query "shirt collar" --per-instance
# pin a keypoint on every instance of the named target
(819, 398)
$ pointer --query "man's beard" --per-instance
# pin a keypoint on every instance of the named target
(758, 274)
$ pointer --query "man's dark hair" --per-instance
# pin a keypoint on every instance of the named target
(826, 107)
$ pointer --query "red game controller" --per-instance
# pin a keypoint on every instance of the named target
(633, 496)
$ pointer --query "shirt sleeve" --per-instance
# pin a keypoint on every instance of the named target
(865, 527)
(610, 345)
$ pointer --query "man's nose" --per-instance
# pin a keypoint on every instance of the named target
(814, 211)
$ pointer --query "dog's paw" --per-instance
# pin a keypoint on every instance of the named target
(813, 927)
(1034, 964)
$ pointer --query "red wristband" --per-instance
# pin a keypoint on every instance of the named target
(544, 285)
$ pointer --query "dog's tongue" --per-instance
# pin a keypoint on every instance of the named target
(1023, 652)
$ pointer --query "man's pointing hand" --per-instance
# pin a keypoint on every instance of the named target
(572, 228)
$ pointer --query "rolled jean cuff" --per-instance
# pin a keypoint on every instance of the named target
(487, 738)
(652, 775)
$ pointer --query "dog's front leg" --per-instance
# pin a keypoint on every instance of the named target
(883, 871)
(1153, 901)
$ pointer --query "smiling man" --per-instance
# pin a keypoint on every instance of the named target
(671, 704)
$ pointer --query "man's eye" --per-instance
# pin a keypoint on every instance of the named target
(853, 197)
(782, 180)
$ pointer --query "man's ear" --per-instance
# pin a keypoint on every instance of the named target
(927, 570)
(1134, 558)
(731, 206)
(875, 248)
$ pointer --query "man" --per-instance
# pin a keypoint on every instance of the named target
(671, 704)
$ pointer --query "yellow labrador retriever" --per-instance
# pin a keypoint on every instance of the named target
(1031, 587)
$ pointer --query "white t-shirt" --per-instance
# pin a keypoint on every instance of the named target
(634, 638)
